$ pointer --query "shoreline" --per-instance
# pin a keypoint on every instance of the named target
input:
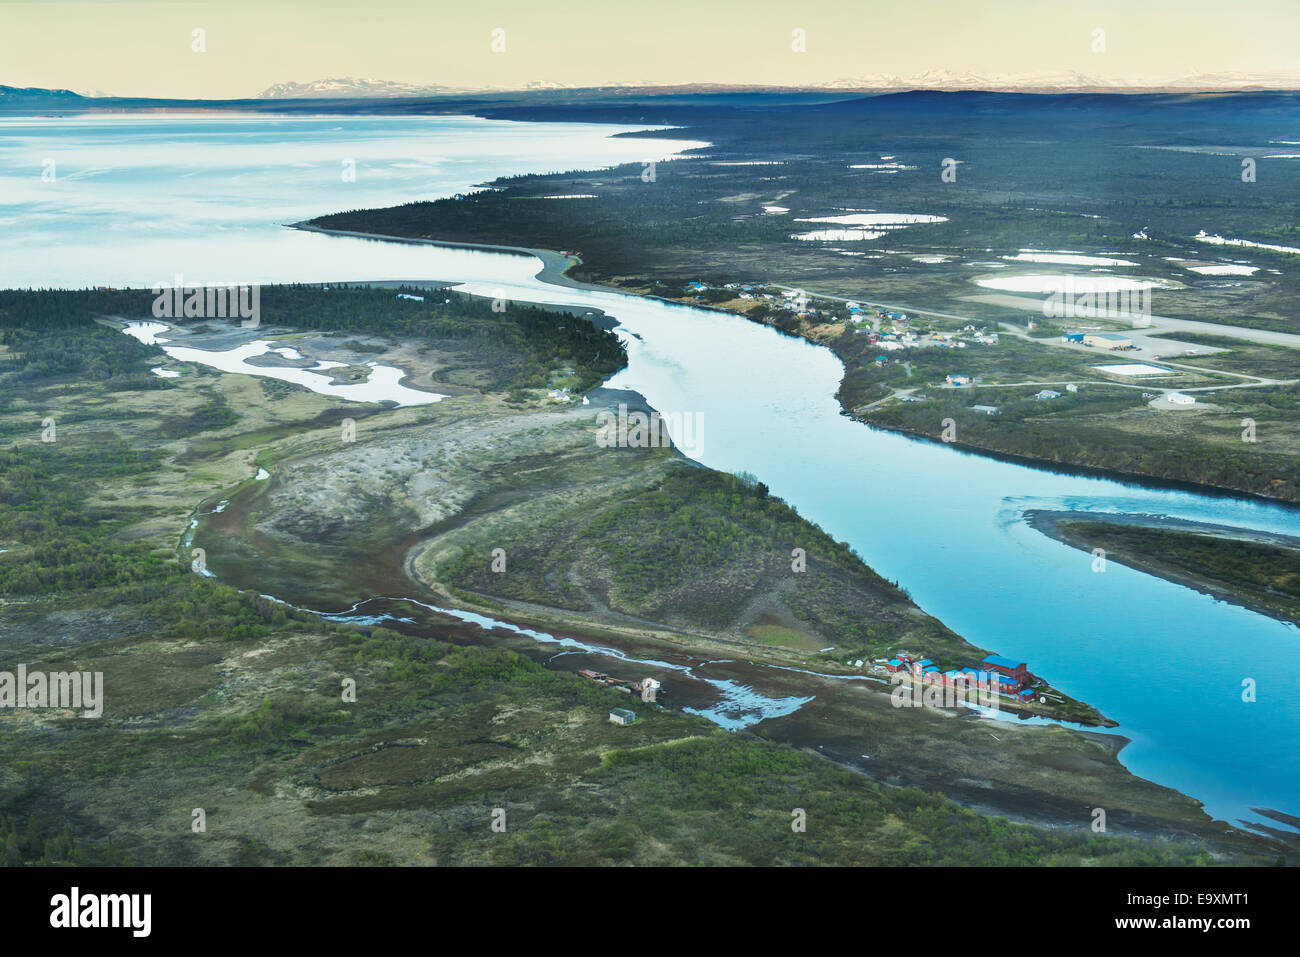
(554, 265)
(1136, 479)
(1048, 522)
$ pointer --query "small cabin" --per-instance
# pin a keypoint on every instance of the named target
(622, 716)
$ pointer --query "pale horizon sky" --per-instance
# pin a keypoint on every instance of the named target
(144, 47)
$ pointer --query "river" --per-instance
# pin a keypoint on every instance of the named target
(1166, 662)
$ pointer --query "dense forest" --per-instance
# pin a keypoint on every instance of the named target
(53, 334)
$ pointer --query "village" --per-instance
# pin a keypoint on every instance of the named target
(889, 330)
(997, 677)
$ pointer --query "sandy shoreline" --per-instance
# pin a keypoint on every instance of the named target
(554, 265)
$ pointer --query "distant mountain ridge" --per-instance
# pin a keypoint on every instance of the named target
(1066, 81)
(35, 93)
(391, 95)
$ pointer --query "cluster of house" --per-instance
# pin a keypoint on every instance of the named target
(1053, 394)
(982, 337)
(790, 300)
(742, 290)
(997, 674)
(648, 688)
(901, 336)
(903, 339)
(957, 381)
(897, 335)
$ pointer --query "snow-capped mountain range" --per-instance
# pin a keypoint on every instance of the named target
(1065, 80)
(943, 80)
(354, 88)
(349, 87)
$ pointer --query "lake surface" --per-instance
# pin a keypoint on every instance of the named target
(205, 196)
(136, 199)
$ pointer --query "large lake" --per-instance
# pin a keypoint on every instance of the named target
(138, 199)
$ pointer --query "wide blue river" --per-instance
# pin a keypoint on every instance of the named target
(138, 199)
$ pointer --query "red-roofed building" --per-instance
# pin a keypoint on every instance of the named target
(1007, 666)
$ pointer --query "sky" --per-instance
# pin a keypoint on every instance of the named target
(135, 48)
